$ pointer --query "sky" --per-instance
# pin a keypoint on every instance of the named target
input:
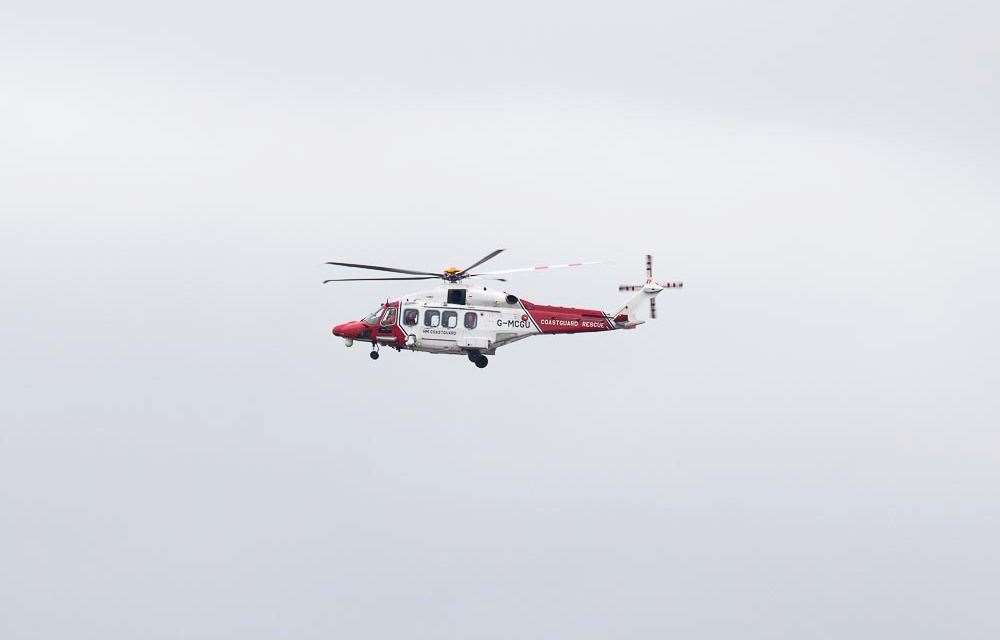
(803, 444)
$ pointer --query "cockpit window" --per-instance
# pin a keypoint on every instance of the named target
(390, 317)
(372, 318)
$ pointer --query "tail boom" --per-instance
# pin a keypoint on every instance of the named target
(552, 319)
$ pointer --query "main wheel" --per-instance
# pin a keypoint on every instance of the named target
(373, 355)
(481, 362)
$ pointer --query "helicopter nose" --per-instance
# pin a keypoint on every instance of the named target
(348, 330)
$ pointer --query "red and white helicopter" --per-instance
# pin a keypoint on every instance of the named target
(462, 317)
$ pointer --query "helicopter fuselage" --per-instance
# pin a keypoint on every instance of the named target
(467, 320)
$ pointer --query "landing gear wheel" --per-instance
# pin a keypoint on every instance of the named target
(373, 355)
(481, 362)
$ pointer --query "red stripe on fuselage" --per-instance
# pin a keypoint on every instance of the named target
(551, 319)
(394, 330)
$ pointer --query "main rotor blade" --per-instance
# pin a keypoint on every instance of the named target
(539, 268)
(476, 264)
(390, 269)
(371, 279)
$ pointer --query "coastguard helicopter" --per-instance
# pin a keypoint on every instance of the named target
(463, 317)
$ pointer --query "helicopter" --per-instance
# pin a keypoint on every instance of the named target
(461, 316)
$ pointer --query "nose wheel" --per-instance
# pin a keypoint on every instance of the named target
(374, 354)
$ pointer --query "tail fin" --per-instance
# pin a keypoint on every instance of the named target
(628, 316)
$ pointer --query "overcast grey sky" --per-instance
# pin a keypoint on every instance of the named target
(804, 444)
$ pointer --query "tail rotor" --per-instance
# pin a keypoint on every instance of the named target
(649, 290)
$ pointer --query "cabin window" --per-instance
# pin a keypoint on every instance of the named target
(389, 318)
(449, 319)
(471, 319)
(456, 296)
(410, 317)
(432, 318)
